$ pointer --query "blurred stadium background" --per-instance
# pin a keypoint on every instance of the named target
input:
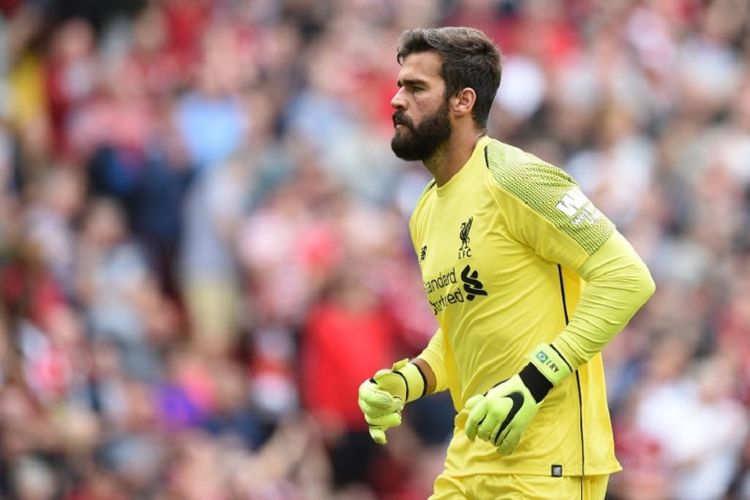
(204, 248)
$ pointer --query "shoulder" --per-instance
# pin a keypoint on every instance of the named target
(531, 190)
(522, 174)
(427, 192)
(430, 187)
(422, 202)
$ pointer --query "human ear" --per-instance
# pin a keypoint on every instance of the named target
(463, 102)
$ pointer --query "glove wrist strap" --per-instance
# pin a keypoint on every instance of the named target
(416, 385)
(546, 369)
(537, 383)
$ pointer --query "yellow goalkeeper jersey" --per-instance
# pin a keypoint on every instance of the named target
(498, 246)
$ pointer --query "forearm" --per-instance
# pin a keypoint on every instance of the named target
(427, 373)
(432, 365)
(618, 284)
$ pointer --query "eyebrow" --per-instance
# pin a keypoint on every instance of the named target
(410, 82)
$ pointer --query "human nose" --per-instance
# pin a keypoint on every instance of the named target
(398, 101)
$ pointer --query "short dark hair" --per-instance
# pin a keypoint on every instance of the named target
(469, 59)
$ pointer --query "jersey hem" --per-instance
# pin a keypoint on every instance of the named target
(528, 472)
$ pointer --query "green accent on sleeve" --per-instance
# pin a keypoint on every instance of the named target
(549, 192)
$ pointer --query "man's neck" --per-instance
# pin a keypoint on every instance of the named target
(452, 155)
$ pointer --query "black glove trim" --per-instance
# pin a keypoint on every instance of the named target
(424, 380)
(406, 384)
(517, 399)
(537, 383)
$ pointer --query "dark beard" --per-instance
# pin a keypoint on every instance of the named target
(420, 143)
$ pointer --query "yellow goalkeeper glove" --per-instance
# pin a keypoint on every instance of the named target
(382, 397)
(501, 416)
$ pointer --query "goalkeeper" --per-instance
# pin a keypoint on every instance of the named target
(528, 282)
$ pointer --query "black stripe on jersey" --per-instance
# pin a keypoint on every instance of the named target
(562, 294)
(580, 422)
(486, 157)
(559, 353)
(578, 378)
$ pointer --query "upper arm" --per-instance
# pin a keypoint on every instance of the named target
(545, 209)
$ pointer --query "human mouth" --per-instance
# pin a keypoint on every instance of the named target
(399, 120)
(401, 125)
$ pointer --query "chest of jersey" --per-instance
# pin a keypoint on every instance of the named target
(481, 283)
(453, 250)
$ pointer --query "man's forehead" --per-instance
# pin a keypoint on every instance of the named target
(421, 65)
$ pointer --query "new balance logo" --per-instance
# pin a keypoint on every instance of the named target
(472, 285)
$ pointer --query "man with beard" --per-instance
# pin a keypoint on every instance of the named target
(505, 243)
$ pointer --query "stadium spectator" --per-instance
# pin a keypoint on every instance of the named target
(178, 180)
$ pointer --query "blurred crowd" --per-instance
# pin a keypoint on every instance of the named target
(204, 245)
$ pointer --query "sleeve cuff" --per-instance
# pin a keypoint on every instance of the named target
(550, 363)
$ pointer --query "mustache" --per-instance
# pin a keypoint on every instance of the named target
(399, 118)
